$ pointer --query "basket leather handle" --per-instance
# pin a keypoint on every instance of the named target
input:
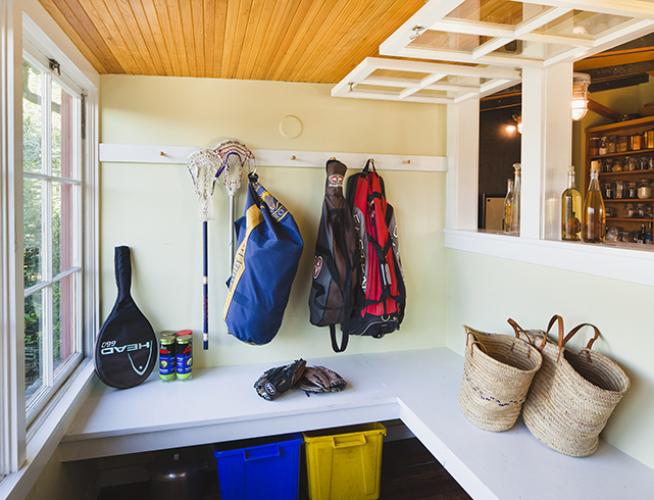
(590, 343)
(471, 333)
(560, 335)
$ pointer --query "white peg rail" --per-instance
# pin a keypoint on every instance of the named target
(132, 153)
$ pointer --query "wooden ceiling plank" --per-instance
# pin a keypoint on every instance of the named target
(385, 14)
(83, 24)
(268, 34)
(208, 19)
(153, 34)
(72, 32)
(315, 16)
(170, 9)
(322, 41)
(242, 23)
(255, 37)
(186, 18)
(112, 35)
(343, 38)
(159, 11)
(219, 37)
(197, 25)
(229, 47)
(134, 21)
(300, 12)
(113, 7)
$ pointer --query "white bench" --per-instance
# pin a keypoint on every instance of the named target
(419, 387)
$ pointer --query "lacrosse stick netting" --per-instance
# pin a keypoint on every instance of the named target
(205, 167)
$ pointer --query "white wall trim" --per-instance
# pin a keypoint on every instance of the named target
(606, 261)
(137, 153)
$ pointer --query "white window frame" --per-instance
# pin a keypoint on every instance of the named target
(53, 379)
(26, 447)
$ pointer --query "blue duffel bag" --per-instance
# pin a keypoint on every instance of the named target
(266, 261)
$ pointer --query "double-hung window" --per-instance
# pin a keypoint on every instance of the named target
(52, 228)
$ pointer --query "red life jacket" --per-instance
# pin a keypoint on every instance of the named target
(381, 295)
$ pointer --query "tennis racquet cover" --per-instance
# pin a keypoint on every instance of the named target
(126, 348)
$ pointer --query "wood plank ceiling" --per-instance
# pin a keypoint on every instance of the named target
(290, 40)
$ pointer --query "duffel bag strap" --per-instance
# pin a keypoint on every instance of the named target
(344, 339)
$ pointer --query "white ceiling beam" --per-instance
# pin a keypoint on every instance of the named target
(500, 31)
(428, 80)
(540, 20)
(490, 46)
(385, 96)
(450, 69)
(628, 8)
(466, 57)
(384, 81)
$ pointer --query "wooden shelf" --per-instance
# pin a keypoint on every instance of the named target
(627, 173)
(629, 200)
(626, 153)
(644, 122)
(630, 219)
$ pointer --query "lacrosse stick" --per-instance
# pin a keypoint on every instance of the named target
(205, 167)
(235, 157)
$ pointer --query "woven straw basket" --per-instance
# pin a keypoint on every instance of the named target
(497, 373)
(574, 393)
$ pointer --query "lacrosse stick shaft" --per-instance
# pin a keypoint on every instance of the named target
(205, 287)
(231, 230)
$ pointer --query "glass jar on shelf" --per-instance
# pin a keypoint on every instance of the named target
(640, 210)
(632, 190)
(603, 146)
(644, 189)
(612, 144)
(608, 191)
(594, 146)
(636, 141)
(649, 212)
(619, 191)
(630, 210)
(631, 163)
(617, 166)
(611, 212)
(623, 144)
(649, 139)
(643, 163)
(612, 234)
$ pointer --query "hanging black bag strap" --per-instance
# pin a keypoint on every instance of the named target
(344, 339)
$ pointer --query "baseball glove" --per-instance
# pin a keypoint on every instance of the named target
(318, 379)
(280, 379)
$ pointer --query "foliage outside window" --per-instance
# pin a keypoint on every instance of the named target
(52, 231)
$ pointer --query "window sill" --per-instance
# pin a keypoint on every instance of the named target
(626, 264)
(45, 438)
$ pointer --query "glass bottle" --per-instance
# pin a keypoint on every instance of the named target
(594, 223)
(508, 207)
(571, 210)
(515, 213)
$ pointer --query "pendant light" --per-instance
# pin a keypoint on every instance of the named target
(580, 84)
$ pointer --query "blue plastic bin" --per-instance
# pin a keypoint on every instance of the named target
(264, 469)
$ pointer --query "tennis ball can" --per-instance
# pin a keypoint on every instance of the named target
(184, 355)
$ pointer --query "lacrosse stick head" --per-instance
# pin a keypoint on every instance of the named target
(236, 158)
(203, 166)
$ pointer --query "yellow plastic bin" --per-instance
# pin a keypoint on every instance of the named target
(345, 463)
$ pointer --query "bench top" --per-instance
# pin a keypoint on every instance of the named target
(419, 387)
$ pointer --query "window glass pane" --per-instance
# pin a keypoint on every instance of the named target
(33, 342)
(32, 118)
(64, 220)
(32, 225)
(63, 132)
(504, 12)
(64, 318)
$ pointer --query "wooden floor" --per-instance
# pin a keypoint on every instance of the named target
(409, 472)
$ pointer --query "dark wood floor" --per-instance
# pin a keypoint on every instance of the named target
(409, 472)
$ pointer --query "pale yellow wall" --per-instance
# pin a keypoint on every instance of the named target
(152, 208)
(484, 291)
